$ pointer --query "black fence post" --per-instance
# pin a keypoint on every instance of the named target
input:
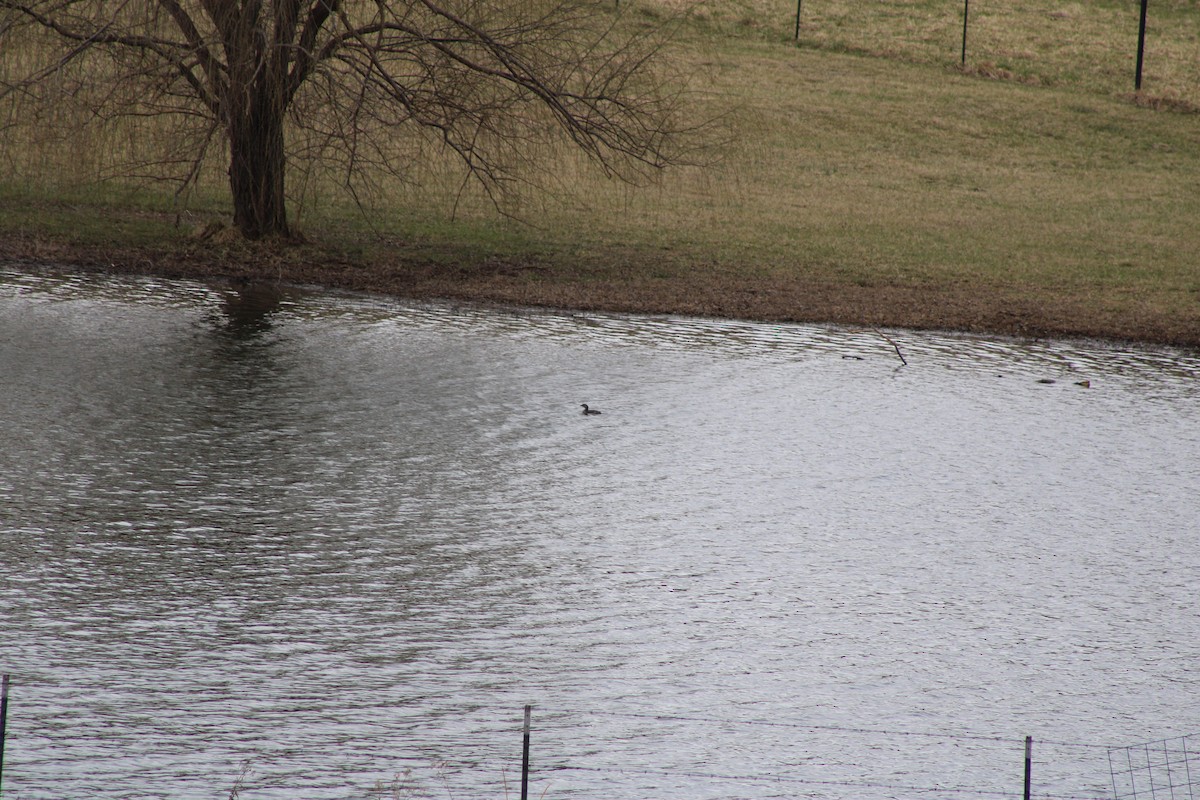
(1137, 82)
(1028, 764)
(966, 13)
(525, 757)
(3, 723)
(798, 3)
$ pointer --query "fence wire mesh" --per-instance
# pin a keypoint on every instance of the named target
(1168, 769)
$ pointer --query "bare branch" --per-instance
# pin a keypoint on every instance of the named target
(305, 57)
(361, 88)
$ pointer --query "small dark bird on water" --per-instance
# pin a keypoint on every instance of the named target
(587, 410)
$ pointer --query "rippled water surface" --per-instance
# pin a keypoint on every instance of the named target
(314, 547)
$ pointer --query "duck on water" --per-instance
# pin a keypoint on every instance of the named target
(587, 411)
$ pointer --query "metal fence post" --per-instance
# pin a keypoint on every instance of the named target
(1028, 764)
(525, 757)
(3, 723)
(966, 13)
(1137, 82)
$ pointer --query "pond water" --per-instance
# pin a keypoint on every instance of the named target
(316, 546)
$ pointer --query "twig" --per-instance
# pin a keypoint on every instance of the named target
(903, 361)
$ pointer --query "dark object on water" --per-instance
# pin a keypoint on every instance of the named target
(1046, 380)
(587, 410)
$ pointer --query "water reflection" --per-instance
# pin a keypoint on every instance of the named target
(338, 537)
(247, 308)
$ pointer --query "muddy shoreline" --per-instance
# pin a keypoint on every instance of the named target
(630, 287)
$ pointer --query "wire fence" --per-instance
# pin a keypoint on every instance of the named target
(641, 754)
(1099, 46)
(866, 781)
(1167, 768)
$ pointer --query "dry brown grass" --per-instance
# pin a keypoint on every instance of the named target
(1089, 46)
(1029, 192)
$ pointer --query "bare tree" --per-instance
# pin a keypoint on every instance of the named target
(343, 80)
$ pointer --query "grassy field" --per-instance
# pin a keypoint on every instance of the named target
(867, 177)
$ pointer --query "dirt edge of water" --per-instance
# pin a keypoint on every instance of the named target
(619, 283)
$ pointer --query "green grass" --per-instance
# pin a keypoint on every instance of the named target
(861, 156)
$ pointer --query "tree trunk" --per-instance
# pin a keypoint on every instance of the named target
(257, 162)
